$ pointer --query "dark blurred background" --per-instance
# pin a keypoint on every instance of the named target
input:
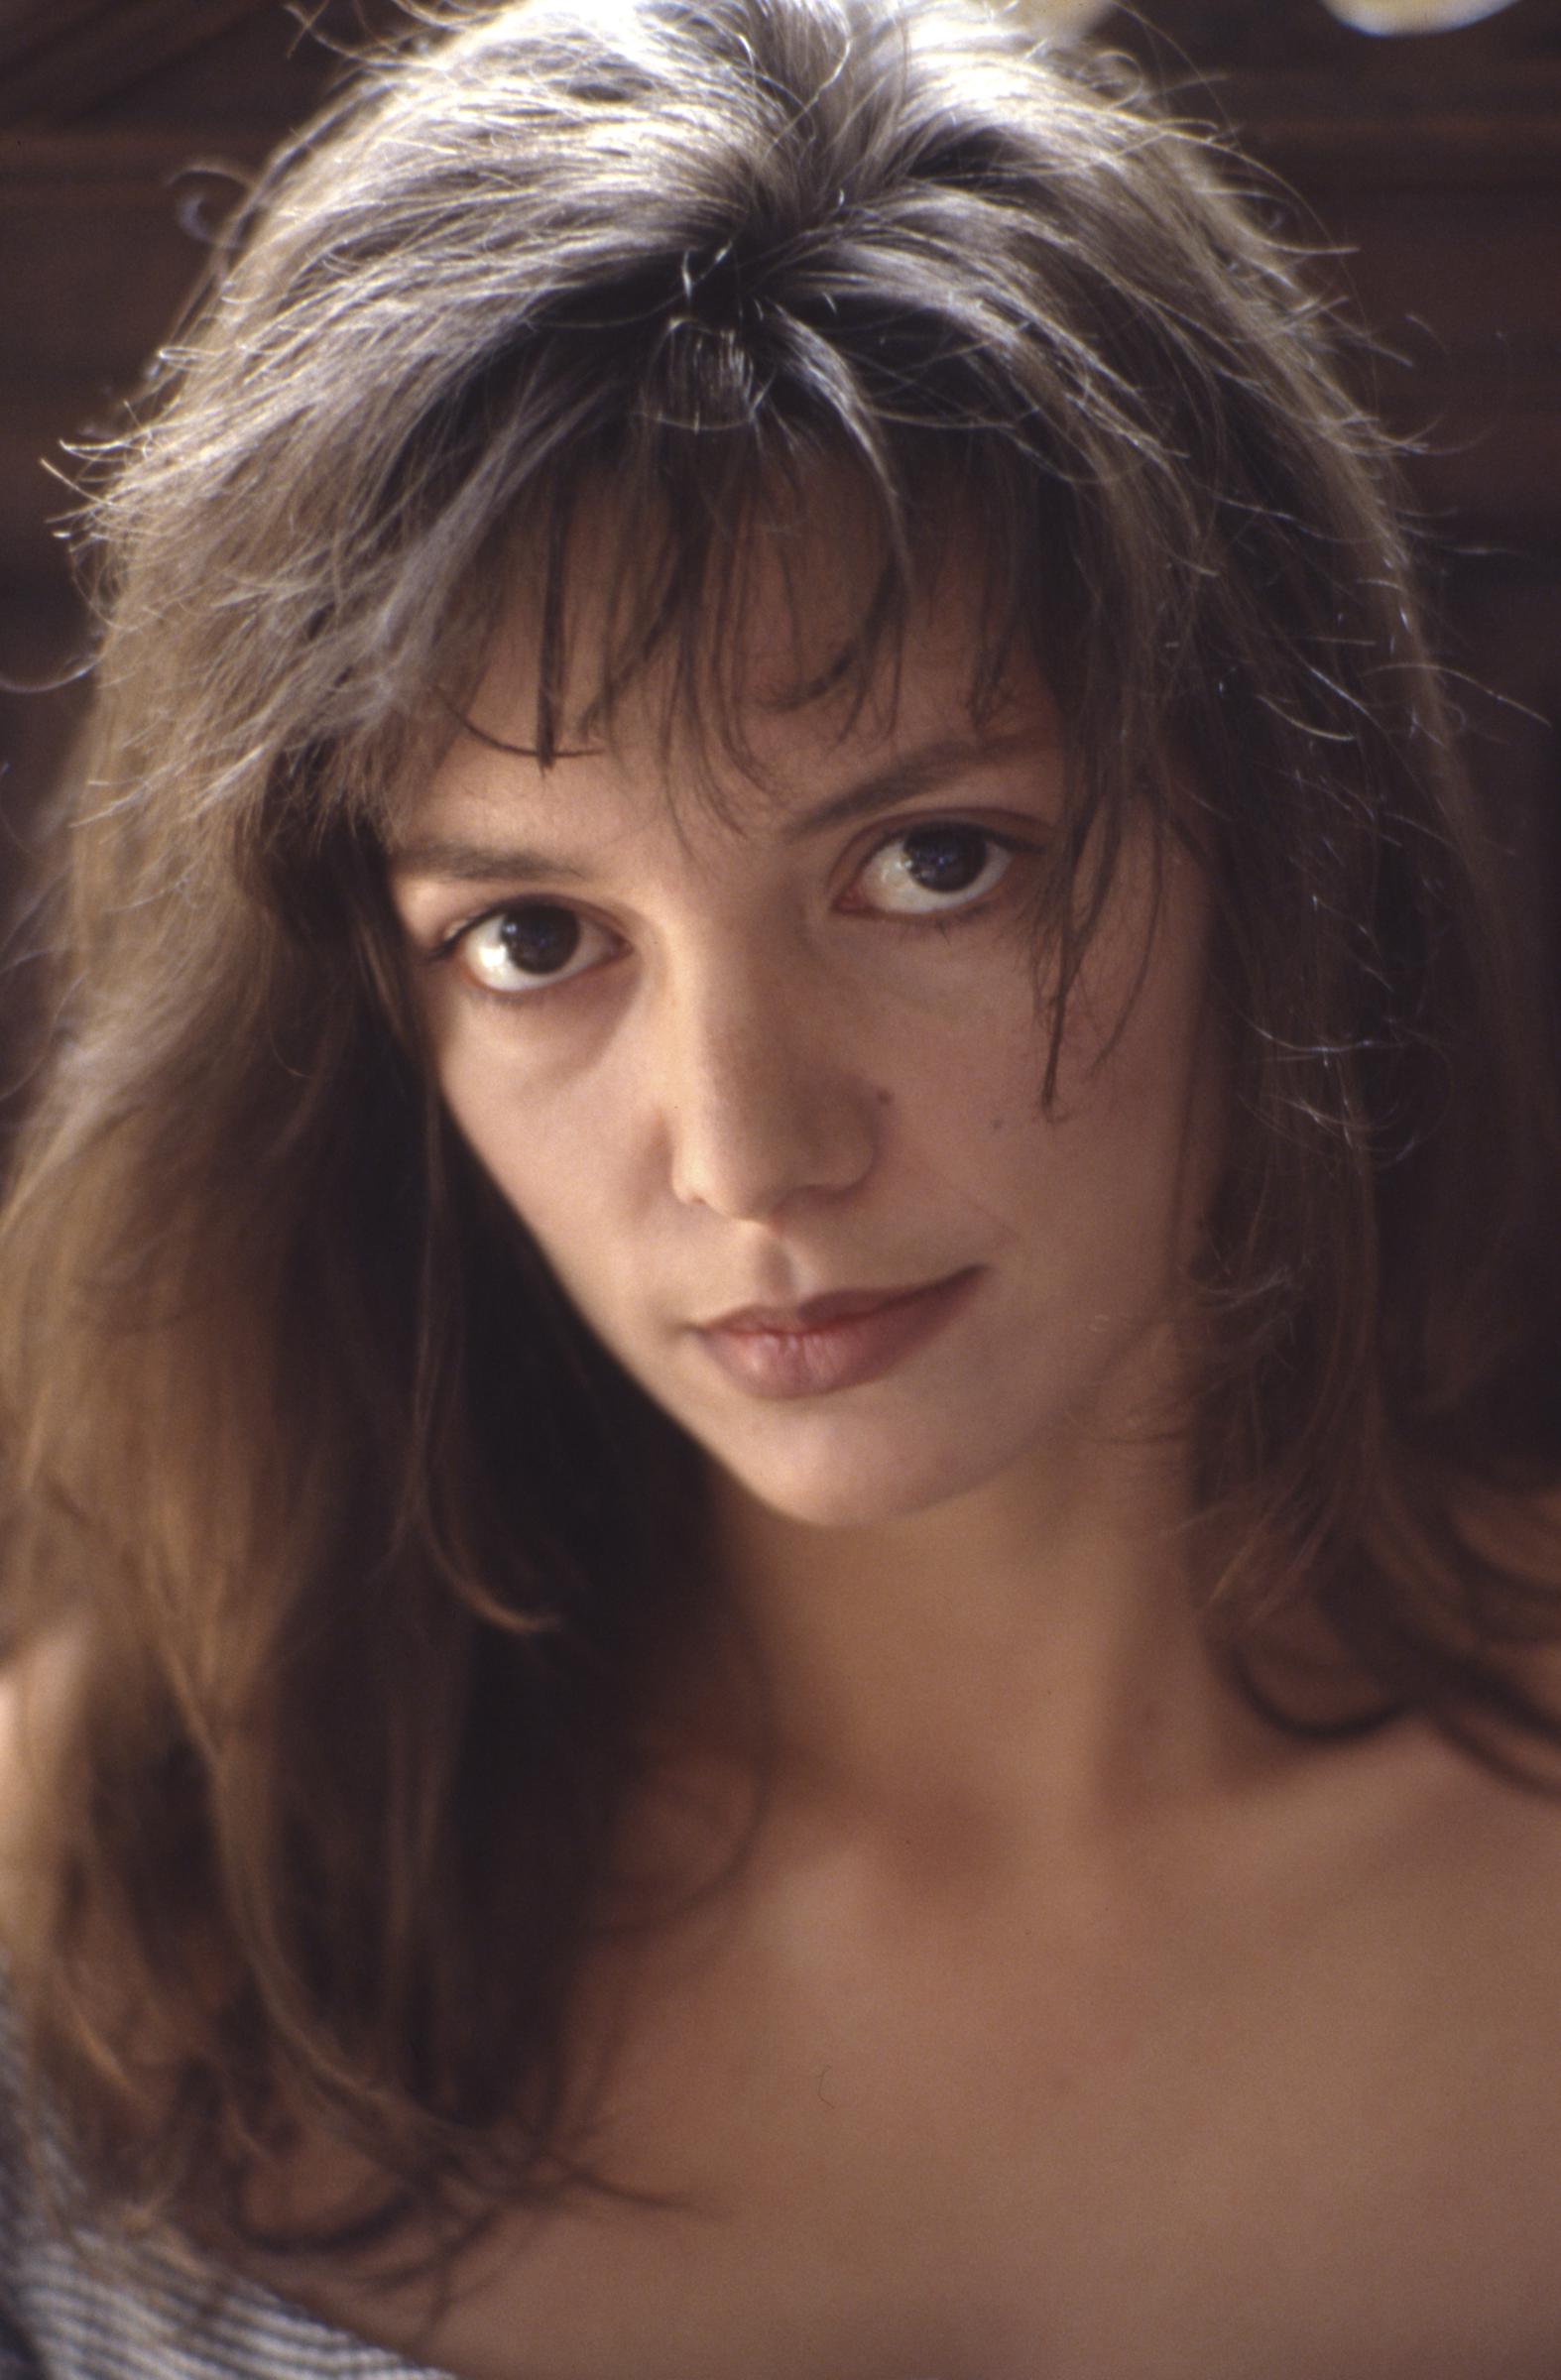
(1428, 166)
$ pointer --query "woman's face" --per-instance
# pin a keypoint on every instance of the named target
(763, 1077)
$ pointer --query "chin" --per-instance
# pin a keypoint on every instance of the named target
(862, 1488)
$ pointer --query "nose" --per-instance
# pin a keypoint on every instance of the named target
(761, 1102)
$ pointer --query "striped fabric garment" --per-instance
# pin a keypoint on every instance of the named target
(72, 2313)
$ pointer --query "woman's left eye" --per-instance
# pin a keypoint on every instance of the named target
(923, 870)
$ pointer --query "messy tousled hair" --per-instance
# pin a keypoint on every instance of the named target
(357, 1547)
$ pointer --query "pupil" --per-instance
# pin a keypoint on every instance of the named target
(946, 858)
(540, 941)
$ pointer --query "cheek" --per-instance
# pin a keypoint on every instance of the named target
(1131, 1143)
(1151, 1084)
(529, 1151)
(559, 1154)
(558, 1191)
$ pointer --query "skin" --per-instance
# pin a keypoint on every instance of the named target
(1059, 2016)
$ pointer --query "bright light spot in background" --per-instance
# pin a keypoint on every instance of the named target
(1062, 18)
(1413, 16)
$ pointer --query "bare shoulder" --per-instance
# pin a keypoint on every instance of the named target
(1450, 1835)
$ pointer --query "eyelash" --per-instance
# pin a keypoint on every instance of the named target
(940, 922)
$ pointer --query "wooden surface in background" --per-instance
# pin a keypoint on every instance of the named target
(1430, 167)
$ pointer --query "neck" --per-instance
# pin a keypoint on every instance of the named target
(1031, 1650)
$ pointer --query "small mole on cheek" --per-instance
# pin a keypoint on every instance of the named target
(885, 1099)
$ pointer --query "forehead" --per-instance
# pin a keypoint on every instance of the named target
(816, 649)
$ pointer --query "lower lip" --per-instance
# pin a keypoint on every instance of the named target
(838, 1354)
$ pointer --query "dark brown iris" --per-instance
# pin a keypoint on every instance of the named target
(946, 858)
(540, 941)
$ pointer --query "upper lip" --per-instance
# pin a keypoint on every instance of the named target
(817, 1313)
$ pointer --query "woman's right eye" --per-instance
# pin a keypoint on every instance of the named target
(512, 953)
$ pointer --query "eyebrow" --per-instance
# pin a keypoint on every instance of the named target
(921, 771)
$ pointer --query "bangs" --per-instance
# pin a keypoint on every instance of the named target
(710, 599)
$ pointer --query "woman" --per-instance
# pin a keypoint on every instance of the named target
(777, 1351)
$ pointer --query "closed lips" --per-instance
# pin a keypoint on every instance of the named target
(817, 1313)
(840, 1341)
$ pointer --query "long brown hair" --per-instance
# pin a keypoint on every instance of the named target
(364, 1541)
